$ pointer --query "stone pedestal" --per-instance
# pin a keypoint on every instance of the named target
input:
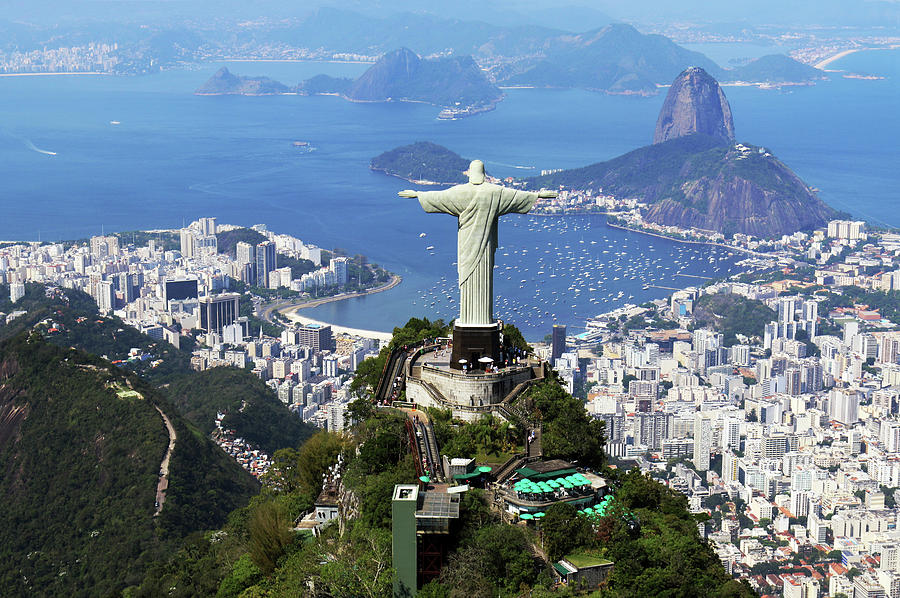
(474, 342)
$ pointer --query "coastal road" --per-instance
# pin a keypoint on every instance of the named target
(163, 484)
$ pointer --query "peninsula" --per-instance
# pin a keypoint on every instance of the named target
(696, 176)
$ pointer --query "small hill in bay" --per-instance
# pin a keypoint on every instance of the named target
(81, 445)
(422, 162)
(776, 68)
(223, 82)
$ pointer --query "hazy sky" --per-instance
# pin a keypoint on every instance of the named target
(576, 15)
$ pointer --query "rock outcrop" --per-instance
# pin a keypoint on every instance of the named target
(695, 104)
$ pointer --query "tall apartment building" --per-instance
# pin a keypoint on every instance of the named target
(650, 429)
(557, 342)
(703, 436)
(265, 262)
(218, 311)
(319, 338)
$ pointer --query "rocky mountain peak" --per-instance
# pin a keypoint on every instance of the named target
(695, 104)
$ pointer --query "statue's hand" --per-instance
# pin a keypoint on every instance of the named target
(544, 194)
(407, 193)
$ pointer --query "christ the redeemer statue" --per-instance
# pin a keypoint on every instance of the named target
(477, 205)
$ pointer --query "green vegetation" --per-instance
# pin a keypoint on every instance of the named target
(731, 315)
(298, 267)
(886, 302)
(489, 440)
(444, 81)
(415, 330)
(83, 463)
(227, 241)
(253, 410)
(256, 552)
(69, 318)
(685, 175)
(422, 161)
(661, 555)
(568, 432)
(627, 175)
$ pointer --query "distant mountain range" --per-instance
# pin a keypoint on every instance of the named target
(454, 82)
(620, 59)
(615, 59)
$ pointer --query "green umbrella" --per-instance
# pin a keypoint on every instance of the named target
(526, 516)
(484, 469)
(424, 479)
(539, 515)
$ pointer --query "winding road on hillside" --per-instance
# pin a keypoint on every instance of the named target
(163, 484)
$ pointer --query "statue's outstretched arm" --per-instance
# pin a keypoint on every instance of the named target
(544, 194)
(409, 193)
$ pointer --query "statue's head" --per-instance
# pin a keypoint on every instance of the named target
(476, 172)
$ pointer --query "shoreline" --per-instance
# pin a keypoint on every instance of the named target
(295, 60)
(403, 178)
(53, 74)
(822, 64)
(691, 242)
(291, 310)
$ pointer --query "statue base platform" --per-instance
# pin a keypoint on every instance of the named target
(472, 342)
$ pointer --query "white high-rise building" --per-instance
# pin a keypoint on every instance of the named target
(106, 296)
(339, 267)
(337, 416)
(703, 434)
(207, 226)
(731, 434)
(730, 464)
(799, 503)
(16, 291)
(890, 436)
(800, 587)
(843, 406)
(187, 243)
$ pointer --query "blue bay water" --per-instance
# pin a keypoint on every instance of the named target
(176, 157)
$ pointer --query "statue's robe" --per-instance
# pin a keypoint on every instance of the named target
(477, 207)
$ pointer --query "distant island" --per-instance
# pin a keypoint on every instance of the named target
(422, 163)
(226, 83)
(455, 83)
